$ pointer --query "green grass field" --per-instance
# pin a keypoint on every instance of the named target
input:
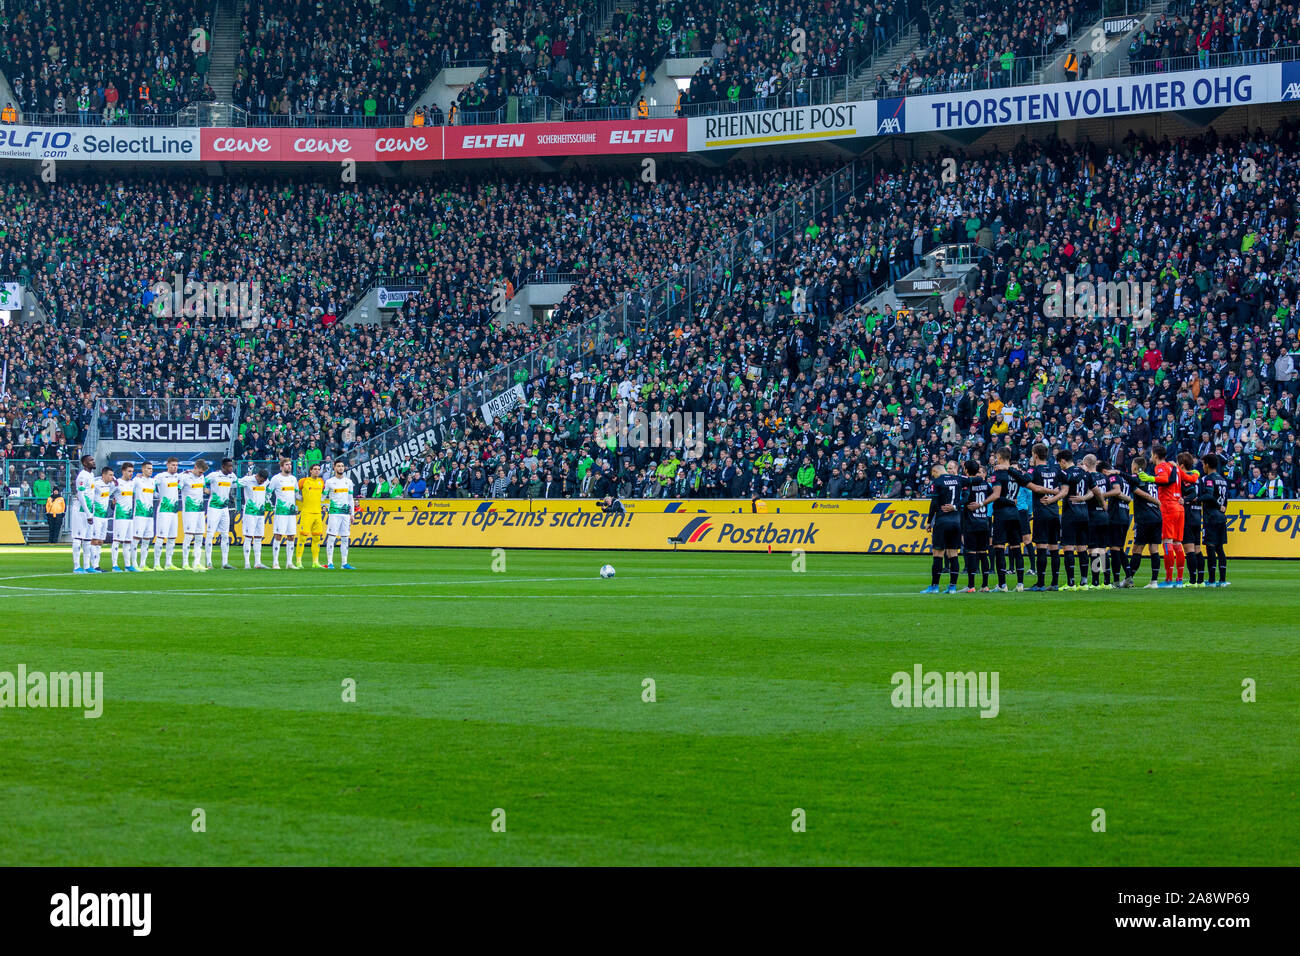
(523, 691)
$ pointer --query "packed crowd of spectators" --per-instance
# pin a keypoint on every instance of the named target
(93, 250)
(853, 402)
(759, 56)
(575, 60)
(801, 388)
(985, 44)
(105, 61)
(354, 58)
(1220, 34)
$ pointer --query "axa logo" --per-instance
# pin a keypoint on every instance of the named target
(234, 144)
(1292, 92)
(890, 117)
(400, 144)
(695, 531)
(306, 144)
(493, 141)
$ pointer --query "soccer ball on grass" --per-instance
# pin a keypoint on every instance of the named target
(607, 571)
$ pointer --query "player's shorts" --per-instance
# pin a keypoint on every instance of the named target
(1146, 532)
(165, 525)
(947, 534)
(142, 526)
(1172, 523)
(98, 529)
(193, 522)
(1074, 531)
(1098, 534)
(218, 521)
(975, 538)
(286, 526)
(254, 526)
(1216, 530)
(1118, 534)
(123, 529)
(1192, 529)
(1006, 527)
(78, 526)
(1047, 529)
(1025, 523)
(339, 526)
(311, 524)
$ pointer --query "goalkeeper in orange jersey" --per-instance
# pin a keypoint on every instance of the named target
(311, 514)
(1168, 479)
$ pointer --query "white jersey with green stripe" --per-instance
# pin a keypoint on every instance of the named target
(254, 495)
(85, 485)
(338, 492)
(192, 488)
(101, 497)
(169, 493)
(125, 498)
(145, 489)
(284, 489)
(221, 489)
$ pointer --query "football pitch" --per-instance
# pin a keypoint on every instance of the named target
(684, 712)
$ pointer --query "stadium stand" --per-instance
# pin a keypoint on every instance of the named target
(567, 56)
(756, 57)
(1218, 34)
(104, 61)
(961, 48)
(321, 245)
(808, 391)
(356, 59)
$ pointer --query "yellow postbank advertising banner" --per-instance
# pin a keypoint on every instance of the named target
(1256, 529)
(10, 531)
(798, 506)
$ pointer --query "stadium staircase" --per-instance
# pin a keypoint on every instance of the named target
(862, 84)
(225, 48)
(1052, 71)
(7, 95)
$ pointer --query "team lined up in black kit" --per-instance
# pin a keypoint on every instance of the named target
(1064, 512)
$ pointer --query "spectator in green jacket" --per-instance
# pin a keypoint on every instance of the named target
(807, 478)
